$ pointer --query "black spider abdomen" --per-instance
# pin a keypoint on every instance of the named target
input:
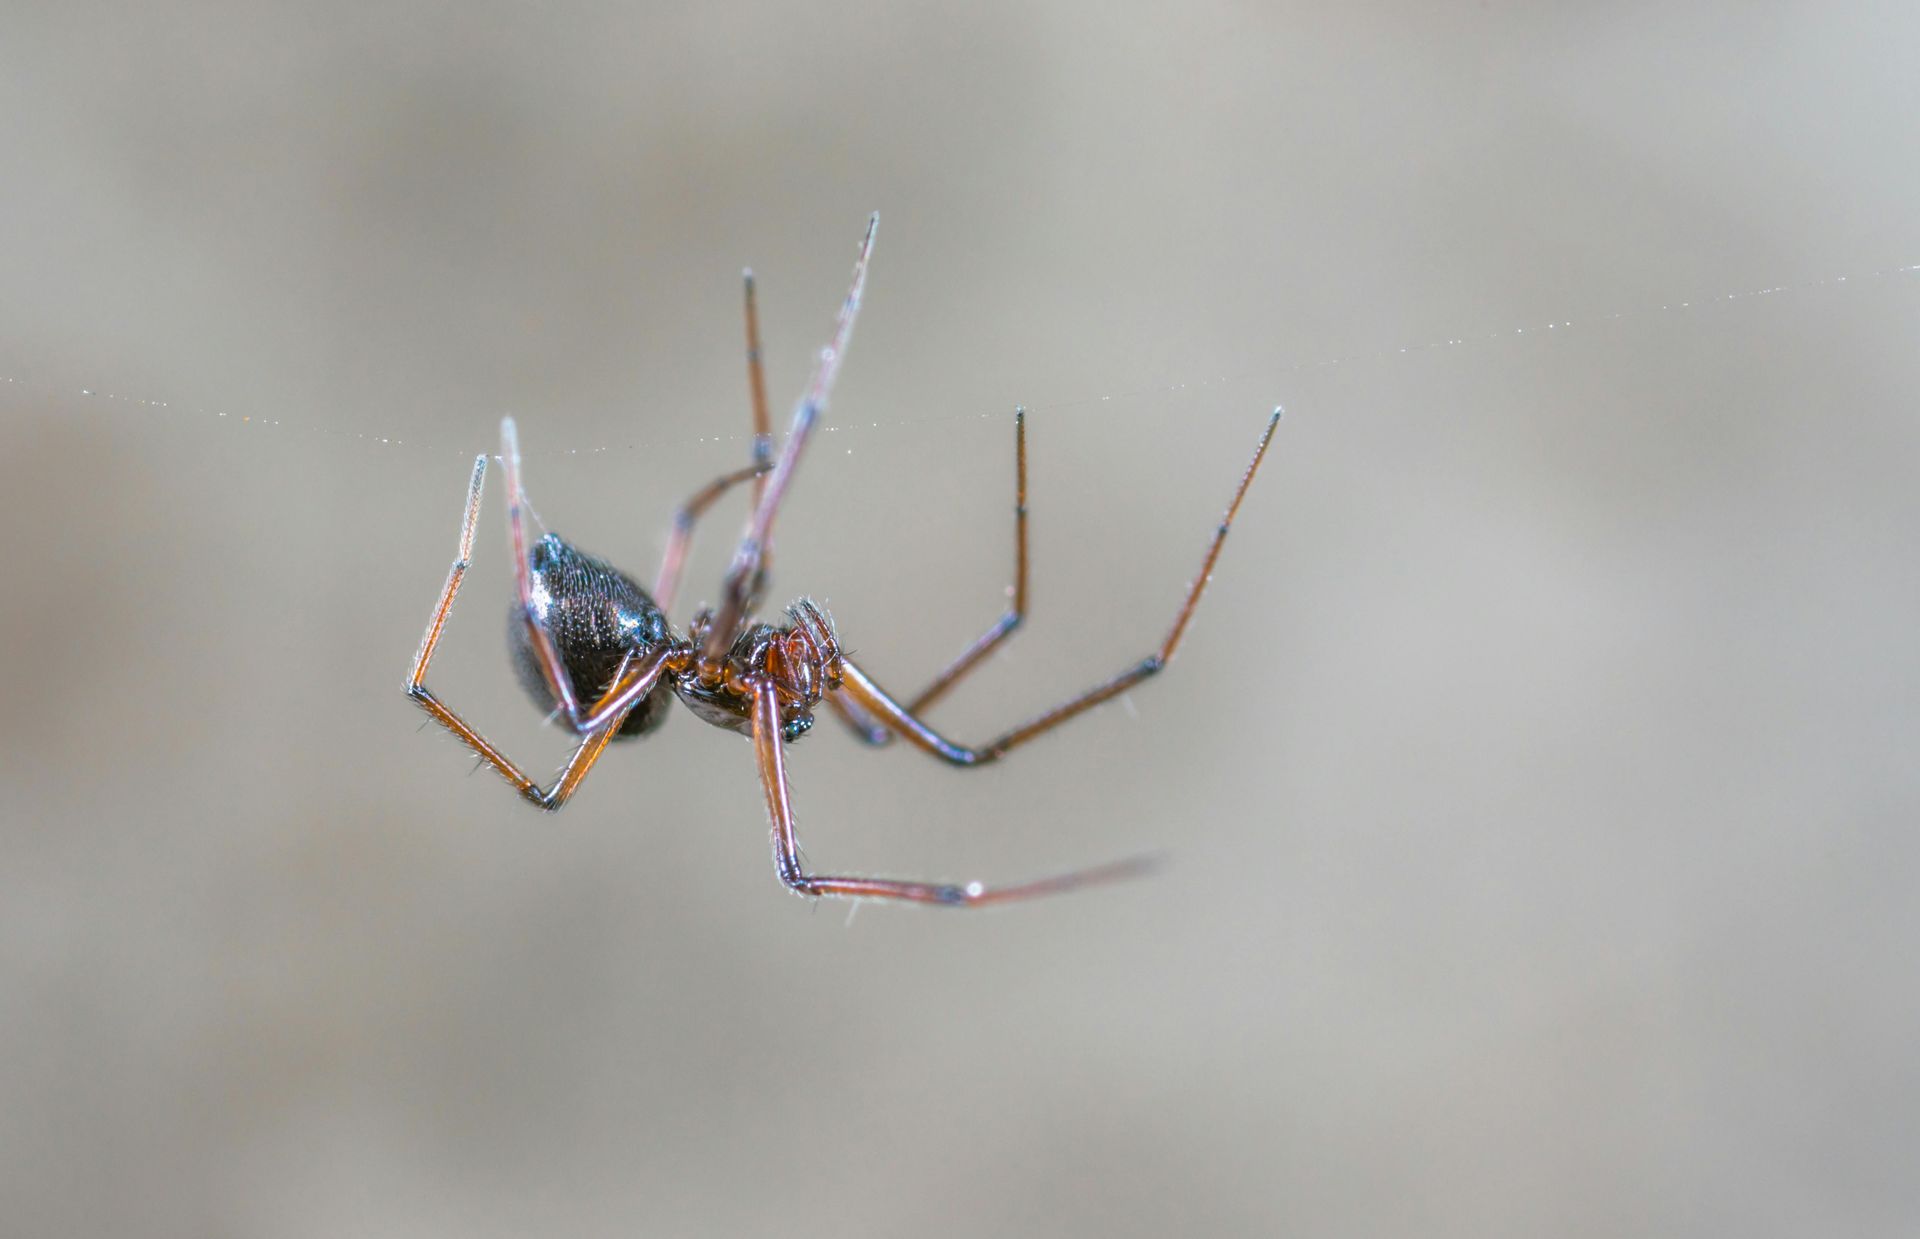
(596, 615)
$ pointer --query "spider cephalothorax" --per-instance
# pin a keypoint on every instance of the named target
(599, 652)
(799, 659)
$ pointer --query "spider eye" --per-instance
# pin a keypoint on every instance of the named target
(794, 728)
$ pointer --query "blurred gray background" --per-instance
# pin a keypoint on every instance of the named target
(1538, 776)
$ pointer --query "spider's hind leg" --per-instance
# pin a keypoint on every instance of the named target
(635, 678)
(554, 671)
(634, 681)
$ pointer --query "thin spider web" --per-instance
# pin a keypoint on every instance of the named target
(1270, 377)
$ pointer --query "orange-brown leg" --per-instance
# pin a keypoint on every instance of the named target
(667, 583)
(786, 843)
(747, 574)
(858, 721)
(629, 687)
(673, 564)
(559, 683)
(878, 708)
(872, 732)
(757, 382)
(635, 680)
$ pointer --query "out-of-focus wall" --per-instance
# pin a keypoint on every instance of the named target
(1538, 778)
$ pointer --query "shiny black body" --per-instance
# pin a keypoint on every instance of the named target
(597, 615)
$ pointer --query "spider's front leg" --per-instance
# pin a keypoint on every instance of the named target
(770, 750)
(864, 723)
(636, 678)
(740, 591)
(872, 710)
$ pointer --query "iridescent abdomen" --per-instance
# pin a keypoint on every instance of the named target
(596, 616)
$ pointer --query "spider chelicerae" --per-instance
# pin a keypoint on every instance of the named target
(580, 626)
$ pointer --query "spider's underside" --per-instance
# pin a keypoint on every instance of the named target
(578, 624)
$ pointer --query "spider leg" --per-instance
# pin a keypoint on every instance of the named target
(673, 564)
(883, 709)
(786, 844)
(862, 724)
(667, 584)
(745, 577)
(757, 382)
(630, 686)
(558, 681)
(635, 680)
(874, 733)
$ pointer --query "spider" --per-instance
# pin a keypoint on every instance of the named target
(590, 645)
